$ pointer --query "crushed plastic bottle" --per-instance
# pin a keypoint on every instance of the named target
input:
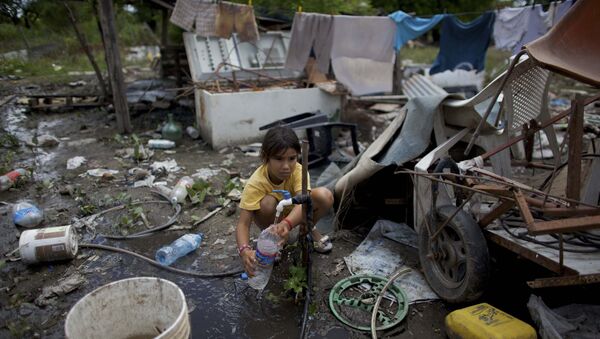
(9, 179)
(26, 214)
(266, 251)
(187, 243)
(179, 192)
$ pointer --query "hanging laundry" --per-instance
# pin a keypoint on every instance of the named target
(409, 27)
(184, 14)
(510, 26)
(362, 53)
(310, 30)
(205, 18)
(463, 45)
(562, 9)
(202, 13)
(536, 26)
(549, 18)
(236, 18)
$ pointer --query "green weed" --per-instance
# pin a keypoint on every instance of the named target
(297, 280)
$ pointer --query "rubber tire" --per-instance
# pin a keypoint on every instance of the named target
(477, 257)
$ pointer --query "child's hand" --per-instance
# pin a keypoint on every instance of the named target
(282, 229)
(249, 260)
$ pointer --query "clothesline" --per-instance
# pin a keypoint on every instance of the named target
(497, 9)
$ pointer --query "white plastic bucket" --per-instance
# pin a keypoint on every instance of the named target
(48, 244)
(141, 307)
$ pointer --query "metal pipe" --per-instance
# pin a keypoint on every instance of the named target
(491, 105)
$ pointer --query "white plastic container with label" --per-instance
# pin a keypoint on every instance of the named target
(48, 244)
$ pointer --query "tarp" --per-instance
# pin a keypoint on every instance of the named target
(380, 254)
(404, 139)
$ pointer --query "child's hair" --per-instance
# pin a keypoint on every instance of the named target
(278, 140)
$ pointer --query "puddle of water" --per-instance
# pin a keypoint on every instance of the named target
(222, 307)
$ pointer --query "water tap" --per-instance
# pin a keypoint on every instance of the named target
(286, 201)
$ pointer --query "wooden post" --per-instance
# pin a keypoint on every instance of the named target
(113, 59)
(88, 52)
(575, 130)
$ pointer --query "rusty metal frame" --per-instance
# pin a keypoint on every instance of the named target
(529, 254)
(568, 280)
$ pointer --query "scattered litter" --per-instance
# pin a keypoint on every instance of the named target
(75, 162)
(45, 140)
(224, 150)
(162, 188)
(339, 267)
(101, 172)
(77, 83)
(220, 242)
(148, 182)
(129, 152)
(168, 165)
(379, 255)
(192, 132)
(63, 286)
(228, 160)
(161, 143)
(235, 195)
(205, 173)
(209, 215)
(138, 173)
(219, 256)
(252, 150)
(26, 214)
(170, 151)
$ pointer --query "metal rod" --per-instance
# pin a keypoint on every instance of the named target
(304, 225)
(475, 135)
(543, 125)
(459, 208)
(575, 132)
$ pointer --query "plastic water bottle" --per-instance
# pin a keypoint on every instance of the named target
(161, 143)
(179, 192)
(266, 251)
(169, 254)
(9, 179)
(26, 214)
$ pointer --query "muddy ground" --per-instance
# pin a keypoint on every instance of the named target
(220, 307)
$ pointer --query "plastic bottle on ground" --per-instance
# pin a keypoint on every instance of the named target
(9, 179)
(187, 243)
(179, 191)
(26, 214)
(266, 251)
(161, 143)
(192, 132)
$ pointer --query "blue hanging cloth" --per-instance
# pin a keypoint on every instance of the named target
(410, 27)
(463, 45)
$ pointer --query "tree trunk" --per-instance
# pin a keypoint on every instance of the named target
(113, 58)
(88, 52)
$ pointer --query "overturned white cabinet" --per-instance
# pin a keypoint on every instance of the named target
(233, 118)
